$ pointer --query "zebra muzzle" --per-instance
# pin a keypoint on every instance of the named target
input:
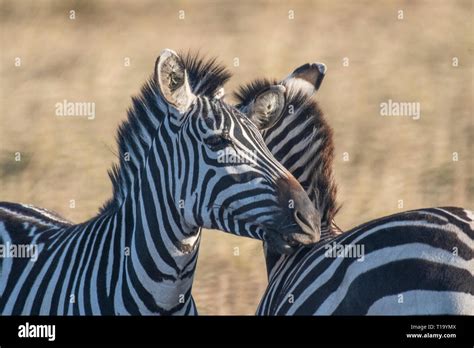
(305, 226)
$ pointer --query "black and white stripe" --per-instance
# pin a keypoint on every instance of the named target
(415, 262)
(138, 255)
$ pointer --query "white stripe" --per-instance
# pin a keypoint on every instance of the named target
(426, 302)
(93, 293)
(119, 306)
(63, 293)
(470, 214)
(384, 256)
(53, 283)
(323, 277)
(110, 260)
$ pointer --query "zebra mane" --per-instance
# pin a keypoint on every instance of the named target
(136, 133)
(322, 178)
(206, 76)
(323, 188)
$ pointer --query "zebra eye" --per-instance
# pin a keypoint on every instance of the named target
(217, 142)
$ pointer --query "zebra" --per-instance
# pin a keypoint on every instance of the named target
(138, 255)
(414, 262)
(295, 131)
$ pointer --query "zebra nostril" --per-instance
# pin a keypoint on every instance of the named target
(303, 222)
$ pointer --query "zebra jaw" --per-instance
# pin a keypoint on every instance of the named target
(287, 242)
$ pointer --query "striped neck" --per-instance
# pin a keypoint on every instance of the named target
(158, 255)
(157, 251)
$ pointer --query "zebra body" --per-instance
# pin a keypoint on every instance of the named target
(416, 262)
(138, 255)
(77, 273)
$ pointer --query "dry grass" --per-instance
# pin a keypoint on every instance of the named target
(390, 158)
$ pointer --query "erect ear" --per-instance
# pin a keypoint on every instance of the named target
(173, 80)
(307, 78)
(267, 107)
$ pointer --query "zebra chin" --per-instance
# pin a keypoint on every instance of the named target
(287, 240)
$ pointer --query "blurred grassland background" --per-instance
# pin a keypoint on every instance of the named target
(390, 158)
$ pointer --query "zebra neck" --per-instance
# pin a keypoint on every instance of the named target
(158, 251)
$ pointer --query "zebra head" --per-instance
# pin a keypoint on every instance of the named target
(296, 132)
(267, 101)
(224, 176)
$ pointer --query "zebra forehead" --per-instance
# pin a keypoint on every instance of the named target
(223, 115)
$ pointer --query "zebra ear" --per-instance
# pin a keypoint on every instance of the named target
(267, 107)
(307, 78)
(173, 82)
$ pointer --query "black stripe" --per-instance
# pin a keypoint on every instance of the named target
(414, 274)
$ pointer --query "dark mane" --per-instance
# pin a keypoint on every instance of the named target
(324, 179)
(321, 180)
(135, 134)
(206, 76)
